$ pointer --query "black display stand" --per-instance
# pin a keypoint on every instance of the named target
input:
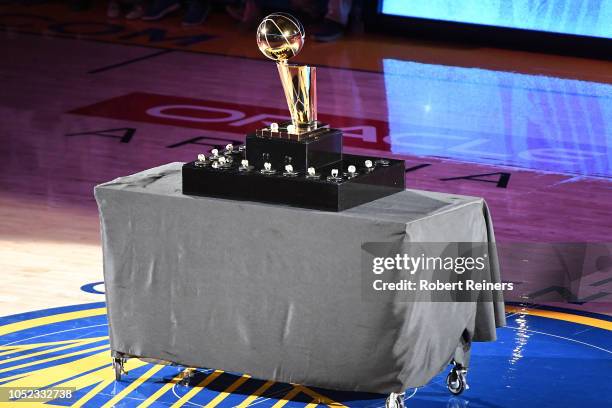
(338, 182)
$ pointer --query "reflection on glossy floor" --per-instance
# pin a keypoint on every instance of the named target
(84, 100)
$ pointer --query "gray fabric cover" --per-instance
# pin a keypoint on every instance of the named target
(275, 291)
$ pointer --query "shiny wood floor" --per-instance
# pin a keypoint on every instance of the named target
(60, 137)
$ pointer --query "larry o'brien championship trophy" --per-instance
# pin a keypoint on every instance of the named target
(299, 162)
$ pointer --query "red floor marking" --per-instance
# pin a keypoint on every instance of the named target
(226, 117)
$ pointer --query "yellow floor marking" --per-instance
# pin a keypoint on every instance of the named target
(12, 350)
(105, 373)
(54, 374)
(255, 395)
(321, 398)
(24, 347)
(568, 317)
(133, 385)
(13, 377)
(28, 405)
(192, 392)
(52, 350)
(283, 401)
(46, 360)
(92, 393)
(223, 395)
(41, 321)
(313, 404)
(105, 376)
(151, 399)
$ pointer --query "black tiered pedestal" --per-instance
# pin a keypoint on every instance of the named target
(320, 149)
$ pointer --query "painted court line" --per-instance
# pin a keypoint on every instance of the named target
(131, 61)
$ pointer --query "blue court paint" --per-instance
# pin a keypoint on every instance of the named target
(95, 288)
(500, 118)
(590, 18)
(536, 362)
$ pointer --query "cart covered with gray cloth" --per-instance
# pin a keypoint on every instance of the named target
(275, 291)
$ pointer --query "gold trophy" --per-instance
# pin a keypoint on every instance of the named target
(303, 142)
(280, 37)
(298, 162)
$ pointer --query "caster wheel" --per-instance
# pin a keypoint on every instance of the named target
(456, 382)
(187, 375)
(118, 367)
(395, 400)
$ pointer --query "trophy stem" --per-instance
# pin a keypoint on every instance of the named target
(300, 87)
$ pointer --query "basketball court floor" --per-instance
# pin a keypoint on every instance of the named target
(84, 100)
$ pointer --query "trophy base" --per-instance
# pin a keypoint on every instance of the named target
(314, 148)
(303, 133)
(320, 192)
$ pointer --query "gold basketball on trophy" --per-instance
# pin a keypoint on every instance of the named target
(280, 36)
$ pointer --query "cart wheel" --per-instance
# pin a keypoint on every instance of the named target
(456, 381)
(395, 400)
(118, 367)
(187, 375)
